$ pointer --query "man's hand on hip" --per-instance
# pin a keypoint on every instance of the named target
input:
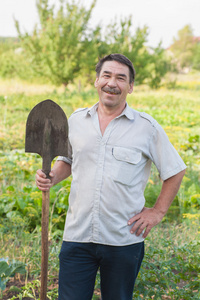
(147, 218)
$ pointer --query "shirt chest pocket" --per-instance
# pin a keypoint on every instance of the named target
(124, 164)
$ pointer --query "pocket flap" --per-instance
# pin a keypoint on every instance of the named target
(131, 156)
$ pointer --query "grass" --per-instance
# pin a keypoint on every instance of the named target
(170, 269)
(171, 265)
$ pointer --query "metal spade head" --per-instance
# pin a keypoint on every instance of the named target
(47, 132)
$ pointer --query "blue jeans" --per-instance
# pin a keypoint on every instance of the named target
(79, 263)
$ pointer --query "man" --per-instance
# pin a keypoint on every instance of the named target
(111, 148)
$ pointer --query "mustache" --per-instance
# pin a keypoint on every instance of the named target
(110, 90)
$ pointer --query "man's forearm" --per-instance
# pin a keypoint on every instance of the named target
(168, 192)
(61, 171)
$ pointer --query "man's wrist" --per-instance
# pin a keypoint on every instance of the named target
(160, 211)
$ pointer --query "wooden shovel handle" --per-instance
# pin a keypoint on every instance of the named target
(44, 260)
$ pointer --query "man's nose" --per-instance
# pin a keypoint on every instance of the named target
(112, 82)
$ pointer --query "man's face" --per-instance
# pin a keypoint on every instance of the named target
(113, 84)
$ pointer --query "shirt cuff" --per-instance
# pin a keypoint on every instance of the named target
(65, 159)
(174, 172)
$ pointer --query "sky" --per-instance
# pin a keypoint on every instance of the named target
(164, 18)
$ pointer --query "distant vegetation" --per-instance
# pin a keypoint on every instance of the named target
(8, 40)
(63, 47)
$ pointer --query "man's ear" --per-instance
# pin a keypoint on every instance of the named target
(96, 82)
(131, 87)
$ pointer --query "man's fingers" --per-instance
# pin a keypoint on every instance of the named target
(43, 186)
(138, 227)
(148, 229)
(51, 174)
(40, 173)
(144, 221)
(42, 182)
(42, 179)
(134, 219)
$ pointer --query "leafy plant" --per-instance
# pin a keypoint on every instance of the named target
(8, 270)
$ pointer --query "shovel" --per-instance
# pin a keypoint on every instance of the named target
(47, 135)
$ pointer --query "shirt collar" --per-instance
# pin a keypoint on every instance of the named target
(127, 112)
(92, 110)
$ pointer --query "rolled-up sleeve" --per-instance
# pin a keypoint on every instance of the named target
(67, 159)
(164, 155)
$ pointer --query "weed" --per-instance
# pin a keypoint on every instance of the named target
(8, 269)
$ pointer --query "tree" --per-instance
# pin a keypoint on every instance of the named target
(120, 39)
(56, 47)
(196, 57)
(150, 64)
(158, 66)
(89, 58)
(183, 47)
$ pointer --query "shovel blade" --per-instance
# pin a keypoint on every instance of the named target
(47, 132)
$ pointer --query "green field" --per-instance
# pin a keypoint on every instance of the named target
(171, 265)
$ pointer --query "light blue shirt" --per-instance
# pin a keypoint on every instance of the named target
(110, 172)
